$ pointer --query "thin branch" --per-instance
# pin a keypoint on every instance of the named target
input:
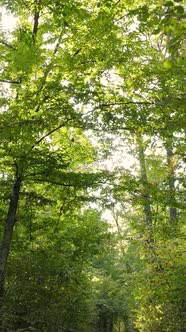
(26, 4)
(117, 2)
(7, 44)
(77, 52)
(120, 104)
(59, 41)
(10, 81)
(125, 103)
(49, 133)
(120, 18)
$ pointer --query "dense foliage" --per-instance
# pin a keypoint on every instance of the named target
(92, 128)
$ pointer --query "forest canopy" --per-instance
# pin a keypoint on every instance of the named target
(92, 155)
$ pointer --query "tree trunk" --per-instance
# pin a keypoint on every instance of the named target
(146, 196)
(171, 180)
(8, 230)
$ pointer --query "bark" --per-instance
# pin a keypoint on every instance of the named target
(8, 230)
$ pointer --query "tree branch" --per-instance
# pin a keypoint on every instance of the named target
(49, 133)
(125, 103)
(36, 19)
(10, 81)
(7, 44)
(120, 104)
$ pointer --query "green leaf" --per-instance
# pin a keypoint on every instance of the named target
(180, 9)
(168, 64)
(169, 3)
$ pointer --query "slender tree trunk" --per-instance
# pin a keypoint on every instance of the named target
(8, 230)
(115, 217)
(146, 196)
(147, 205)
(171, 180)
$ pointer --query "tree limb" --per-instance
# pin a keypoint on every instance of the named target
(7, 44)
(49, 133)
(10, 81)
(36, 19)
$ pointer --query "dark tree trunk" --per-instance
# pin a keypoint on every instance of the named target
(172, 189)
(8, 230)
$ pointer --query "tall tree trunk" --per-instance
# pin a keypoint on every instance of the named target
(171, 180)
(8, 230)
(147, 204)
(146, 196)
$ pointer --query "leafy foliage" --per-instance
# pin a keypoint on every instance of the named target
(79, 80)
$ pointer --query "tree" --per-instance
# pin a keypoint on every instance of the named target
(38, 86)
(76, 73)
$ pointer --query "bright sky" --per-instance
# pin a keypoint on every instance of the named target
(7, 20)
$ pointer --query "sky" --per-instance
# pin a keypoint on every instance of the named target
(7, 20)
